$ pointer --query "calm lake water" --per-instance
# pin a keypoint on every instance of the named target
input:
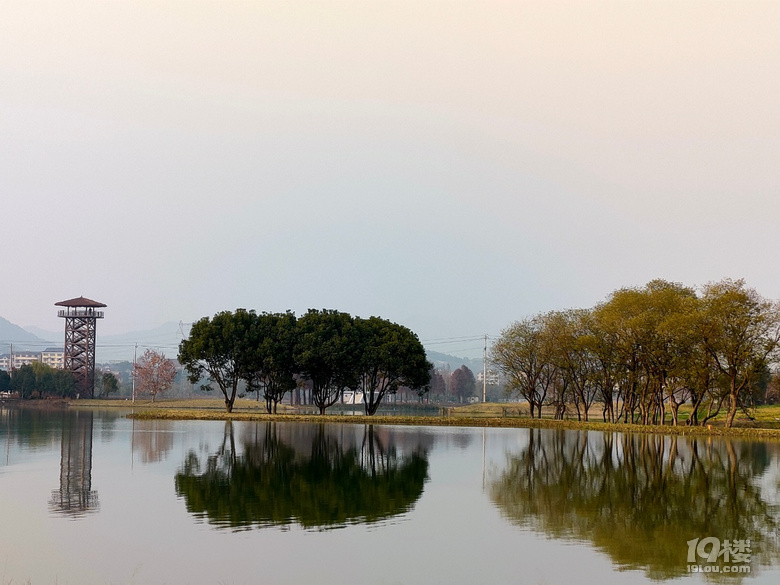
(93, 497)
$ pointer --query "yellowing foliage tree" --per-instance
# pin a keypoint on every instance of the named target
(646, 351)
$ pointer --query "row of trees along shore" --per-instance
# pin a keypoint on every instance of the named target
(37, 379)
(646, 351)
(330, 350)
(154, 374)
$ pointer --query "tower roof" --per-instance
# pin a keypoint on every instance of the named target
(79, 302)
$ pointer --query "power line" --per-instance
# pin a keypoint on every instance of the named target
(459, 338)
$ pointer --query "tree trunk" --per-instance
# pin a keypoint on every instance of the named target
(732, 411)
(734, 397)
(229, 399)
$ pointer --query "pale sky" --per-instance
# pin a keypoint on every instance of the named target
(449, 166)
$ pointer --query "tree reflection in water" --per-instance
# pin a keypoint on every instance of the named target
(317, 476)
(152, 439)
(640, 498)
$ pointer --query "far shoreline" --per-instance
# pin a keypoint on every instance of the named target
(473, 416)
(250, 410)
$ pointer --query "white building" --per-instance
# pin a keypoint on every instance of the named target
(23, 358)
(51, 356)
(350, 397)
(54, 357)
(492, 378)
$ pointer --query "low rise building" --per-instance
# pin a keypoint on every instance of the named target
(54, 357)
(492, 378)
(51, 356)
(24, 358)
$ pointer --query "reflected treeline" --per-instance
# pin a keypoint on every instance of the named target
(33, 426)
(30, 428)
(641, 498)
(315, 475)
(75, 496)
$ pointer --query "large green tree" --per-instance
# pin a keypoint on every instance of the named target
(217, 349)
(390, 356)
(328, 354)
(271, 366)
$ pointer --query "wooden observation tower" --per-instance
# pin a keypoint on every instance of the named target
(80, 316)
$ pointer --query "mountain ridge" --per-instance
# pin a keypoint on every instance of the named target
(20, 338)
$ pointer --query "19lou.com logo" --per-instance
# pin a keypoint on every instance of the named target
(729, 556)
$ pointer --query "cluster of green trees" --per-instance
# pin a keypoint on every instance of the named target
(330, 350)
(646, 351)
(37, 379)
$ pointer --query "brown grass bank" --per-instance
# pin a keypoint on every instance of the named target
(478, 415)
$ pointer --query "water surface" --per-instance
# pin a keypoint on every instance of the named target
(92, 497)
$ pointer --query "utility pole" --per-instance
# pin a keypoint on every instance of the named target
(135, 350)
(484, 372)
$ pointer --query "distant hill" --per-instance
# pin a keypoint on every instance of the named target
(21, 339)
(164, 338)
(441, 360)
(55, 337)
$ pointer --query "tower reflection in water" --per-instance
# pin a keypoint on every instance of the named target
(75, 497)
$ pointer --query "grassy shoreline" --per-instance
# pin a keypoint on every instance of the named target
(460, 421)
(478, 415)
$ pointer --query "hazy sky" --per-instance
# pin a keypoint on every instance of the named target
(449, 166)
